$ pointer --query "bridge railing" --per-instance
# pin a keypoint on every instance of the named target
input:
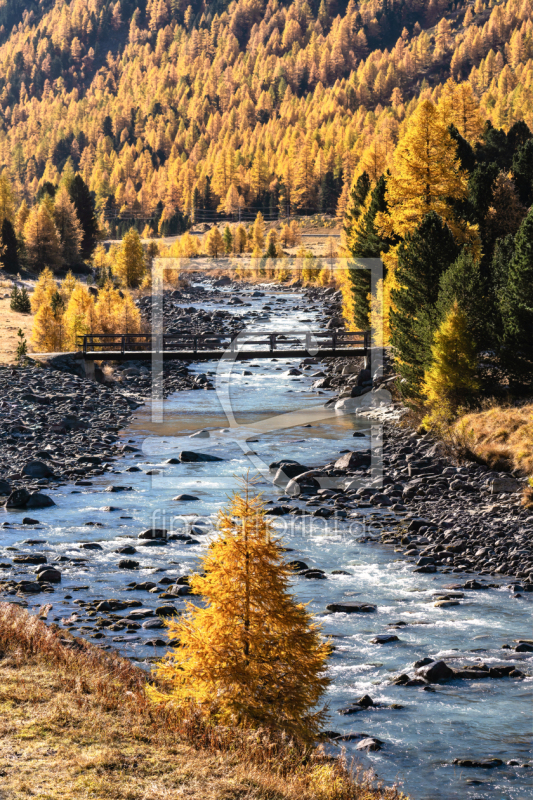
(92, 343)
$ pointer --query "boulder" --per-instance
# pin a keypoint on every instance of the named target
(39, 500)
(18, 498)
(185, 498)
(436, 672)
(91, 546)
(33, 559)
(354, 460)
(369, 744)
(288, 472)
(5, 488)
(503, 484)
(191, 457)
(350, 608)
(36, 469)
(484, 763)
(49, 575)
(127, 563)
(153, 533)
(384, 638)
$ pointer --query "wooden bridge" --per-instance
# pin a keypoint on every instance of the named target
(213, 346)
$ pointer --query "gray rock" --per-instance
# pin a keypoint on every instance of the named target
(436, 672)
(49, 575)
(127, 563)
(18, 498)
(38, 500)
(36, 469)
(350, 608)
(191, 457)
(384, 638)
(369, 744)
(503, 484)
(185, 498)
(354, 460)
(5, 487)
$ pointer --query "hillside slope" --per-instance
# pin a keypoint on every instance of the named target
(246, 105)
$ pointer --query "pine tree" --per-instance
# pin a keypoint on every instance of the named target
(463, 283)
(362, 240)
(20, 302)
(47, 331)
(423, 258)
(249, 655)
(451, 380)
(271, 249)
(523, 172)
(130, 264)
(85, 212)
(228, 239)
(43, 247)
(68, 227)
(9, 248)
(517, 306)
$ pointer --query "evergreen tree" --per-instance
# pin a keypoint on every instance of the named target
(451, 380)
(84, 205)
(130, 264)
(43, 247)
(20, 302)
(250, 655)
(363, 240)
(228, 239)
(9, 256)
(423, 258)
(68, 227)
(523, 172)
(463, 283)
(517, 307)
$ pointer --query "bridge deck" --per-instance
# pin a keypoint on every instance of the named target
(213, 346)
(216, 355)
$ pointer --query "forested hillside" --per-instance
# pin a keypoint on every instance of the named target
(170, 109)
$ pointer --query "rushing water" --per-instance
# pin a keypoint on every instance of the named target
(461, 719)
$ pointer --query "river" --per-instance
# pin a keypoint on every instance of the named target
(461, 719)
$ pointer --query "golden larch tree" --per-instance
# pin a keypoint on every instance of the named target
(44, 289)
(249, 654)
(426, 174)
(43, 246)
(452, 378)
(130, 264)
(68, 227)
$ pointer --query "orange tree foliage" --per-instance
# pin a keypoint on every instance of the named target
(166, 107)
(249, 653)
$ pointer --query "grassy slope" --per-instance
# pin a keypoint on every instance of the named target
(75, 724)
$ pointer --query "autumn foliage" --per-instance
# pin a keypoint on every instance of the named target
(248, 654)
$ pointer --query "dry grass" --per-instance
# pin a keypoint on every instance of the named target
(75, 723)
(501, 437)
(10, 323)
